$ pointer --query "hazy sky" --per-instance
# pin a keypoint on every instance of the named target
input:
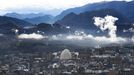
(41, 5)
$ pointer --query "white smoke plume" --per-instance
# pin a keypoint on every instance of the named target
(31, 36)
(108, 22)
(129, 30)
(132, 39)
(1, 34)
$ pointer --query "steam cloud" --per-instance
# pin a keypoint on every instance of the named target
(31, 36)
(84, 39)
(108, 22)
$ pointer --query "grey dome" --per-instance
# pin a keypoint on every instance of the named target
(65, 54)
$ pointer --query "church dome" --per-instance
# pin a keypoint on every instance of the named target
(65, 54)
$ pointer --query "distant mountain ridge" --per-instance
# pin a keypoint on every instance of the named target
(21, 23)
(23, 16)
(40, 19)
(126, 8)
(32, 18)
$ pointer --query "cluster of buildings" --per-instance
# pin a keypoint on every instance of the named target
(95, 61)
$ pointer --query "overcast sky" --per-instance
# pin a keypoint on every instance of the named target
(22, 6)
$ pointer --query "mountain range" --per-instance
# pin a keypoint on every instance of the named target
(32, 18)
(15, 21)
(8, 25)
(79, 18)
(125, 8)
(23, 16)
(40, 19)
